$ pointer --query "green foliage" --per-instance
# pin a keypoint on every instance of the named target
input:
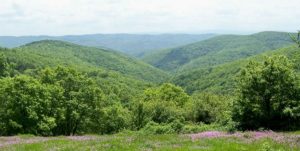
(49, 53)
(89, 100)
(156, 128)
(3, 66)
(209, 108)
(61, 101)
(114, 119)
(165, 103)
(80, 98)
(217, 50)
(161, 105)
(26, 106)
(109, 92)
(268, 95)
(167, 92)
(210, 73)
(220, 79)
(139, 116)
(166, 128)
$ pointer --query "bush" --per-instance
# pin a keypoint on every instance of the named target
(164, 128)
(209, 108)
(156, 128)
(114, 119)
(163, 104)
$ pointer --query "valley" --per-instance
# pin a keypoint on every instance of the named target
(54, 87)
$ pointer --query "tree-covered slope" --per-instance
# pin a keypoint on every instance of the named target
(217, 50)
(132, 44)
(221, 78)
(53, 53)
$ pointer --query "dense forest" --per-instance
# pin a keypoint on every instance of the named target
(227, 82)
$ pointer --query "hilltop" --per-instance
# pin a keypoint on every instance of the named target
(217, 50)
(53, 53)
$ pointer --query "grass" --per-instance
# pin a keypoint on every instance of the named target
(134, 141)
(296, 132)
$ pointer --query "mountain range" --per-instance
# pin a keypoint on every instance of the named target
(132, 44)
(208, 65)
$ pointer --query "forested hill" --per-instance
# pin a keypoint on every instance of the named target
(217, 50)
(221, 78)
(54, 88)
(132, 44)
(52, 53)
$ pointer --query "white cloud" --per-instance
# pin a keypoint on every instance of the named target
(58, 17)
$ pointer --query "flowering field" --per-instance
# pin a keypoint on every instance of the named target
(210, 140)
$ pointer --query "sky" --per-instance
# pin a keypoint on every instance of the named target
(74, 17)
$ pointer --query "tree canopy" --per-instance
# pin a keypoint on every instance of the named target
(268, 95)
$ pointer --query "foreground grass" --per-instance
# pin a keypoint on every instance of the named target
(143, 142)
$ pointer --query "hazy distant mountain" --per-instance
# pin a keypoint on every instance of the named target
(132, 44)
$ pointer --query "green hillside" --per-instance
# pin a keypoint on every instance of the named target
(220, 78)
(132, 44)
(54, 88)
(53, 53)
(217, 50)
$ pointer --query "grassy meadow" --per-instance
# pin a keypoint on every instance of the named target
(209, 141)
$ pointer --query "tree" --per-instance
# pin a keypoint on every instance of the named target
(164, 104)
(26, 106)
(139, 117)
(3, 66)
(268, 95)
(58, 102)
(114, 118)
(81, 99)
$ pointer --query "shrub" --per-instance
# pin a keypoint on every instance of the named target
(156, 128)
(163, 104)
(209, 108)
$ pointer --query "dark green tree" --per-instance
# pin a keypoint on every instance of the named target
(268, 95)
(139, 116)
(3, 66)
(81, 99)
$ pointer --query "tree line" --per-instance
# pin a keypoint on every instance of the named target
(64, 101)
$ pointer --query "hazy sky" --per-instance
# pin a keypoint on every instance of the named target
(60, 17)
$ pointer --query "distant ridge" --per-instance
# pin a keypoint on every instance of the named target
(132, 44)
(217, 50)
